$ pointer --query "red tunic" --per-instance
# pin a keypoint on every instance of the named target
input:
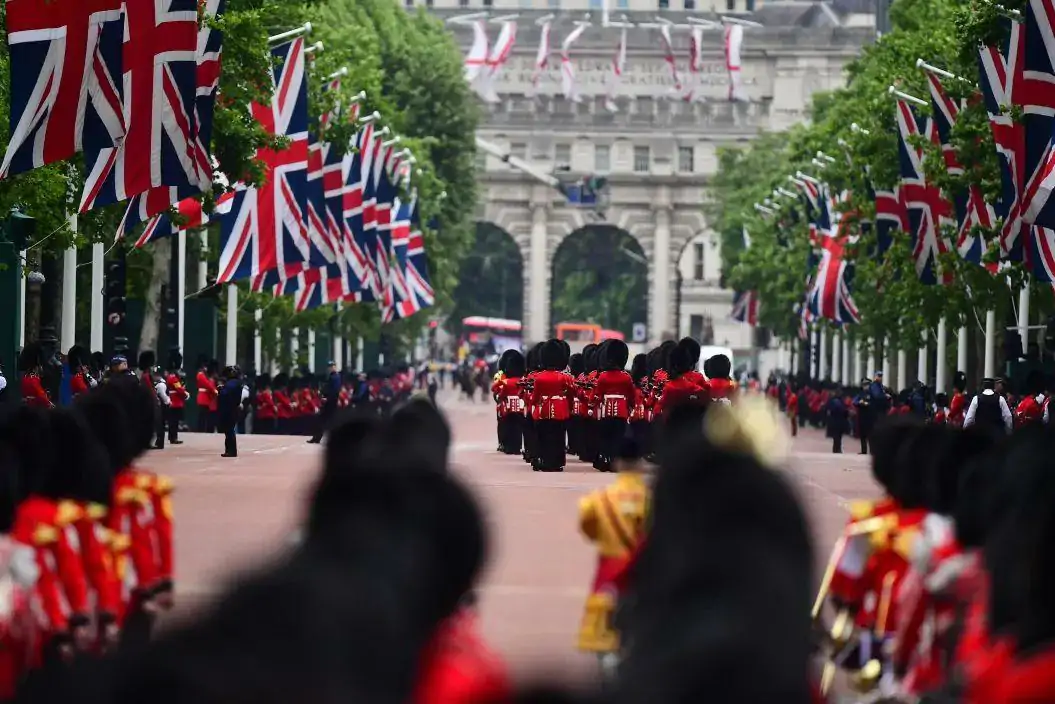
(680, 390)
(206, 390)
(33, 393)
(615, 392)
(957, 408)
(1029, 411)
(98, 562)
(458, 667)
(549, 398)
(178, 395)
(265, 405)
(78, 384)
(509, 399)
(721, 388)
(283, 404)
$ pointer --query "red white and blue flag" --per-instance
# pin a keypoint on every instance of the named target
(928, 210)
(157, 200)
(745, 307)
(191, 215)
(66, 82)
(265, 233)
(1035, 92)
(159, 67)
(972, 210)
(829, 296)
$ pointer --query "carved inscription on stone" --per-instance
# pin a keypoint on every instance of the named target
(646, 77)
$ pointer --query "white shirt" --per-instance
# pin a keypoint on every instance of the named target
(3, 382)
(245, 394)
(162, 390)
(1005, 412)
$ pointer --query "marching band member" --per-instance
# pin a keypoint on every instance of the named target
(959, 400)
(178, 396)
(613, 520)
(615, 393)
(510, 403)
(550, 401)
(576, 426)
(639, 417)
(30, 361)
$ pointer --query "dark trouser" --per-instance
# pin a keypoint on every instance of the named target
(611, 431)
(837, 444)
(639, 428)
(551, 445)
(432, 393)
(230, 442)
(137, 626)
(574, 434)
(590, 442)
(175, 416)
(322, 422)
(510, 433)
(203, 422)
(160, 416)
(530, 431)
(864, 431)
(263, 426)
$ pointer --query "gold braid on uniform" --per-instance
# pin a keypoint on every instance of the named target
(752, 427)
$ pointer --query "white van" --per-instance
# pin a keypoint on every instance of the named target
(708, 351)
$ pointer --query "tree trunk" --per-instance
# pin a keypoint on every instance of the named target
(159, 276)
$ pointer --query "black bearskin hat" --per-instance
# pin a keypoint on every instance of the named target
(514, 363)
(263, 381)
(10, 494)
(913, 465)
(589, 358)
(98, 361)
(109, 422)
(954, 452)
(679, 361)
(959, 381)
(888, 437)
(281, 380)
(664, 353)
(720, 366)
(1035, 382)
(536, 361)
(653, 361)
(138, 402)
(75, 358)
(576, 364)
(201, 361)
(552, 356)
(82, 467)
(31, 357)
(175, 360)
(26, 430)
(502, 361)
(616, 355)
(147, 360)
(601, 354)
(639, 367)
(212, 367)
(688, 606)
(692, 348)
(567, 351)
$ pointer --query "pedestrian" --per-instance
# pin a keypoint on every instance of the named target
(838, 420)
(989, 410)
(331, 394)
(164, 407)
(229, 411)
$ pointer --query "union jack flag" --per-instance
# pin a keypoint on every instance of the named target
(829, 295)
(1035, 92)
(928, 210)
(891, 216)
(265, 233)
(360, 212)
(208, 57)
(971, 208)
(417, 269)
(998, 68)
(399, 288)
(192, 214)
(159, 60)
(745, 307)
(65, 80)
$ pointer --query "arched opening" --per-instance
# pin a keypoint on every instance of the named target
(600, 276)
(490, 279)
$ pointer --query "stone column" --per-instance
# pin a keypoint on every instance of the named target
(660, 315)
(537, 278)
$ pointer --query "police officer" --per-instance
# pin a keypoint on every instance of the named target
(331, 393)
(989, 410)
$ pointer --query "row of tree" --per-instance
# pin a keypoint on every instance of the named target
(893, 303)
(411, 70)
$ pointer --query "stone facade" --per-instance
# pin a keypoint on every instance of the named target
(657, 149)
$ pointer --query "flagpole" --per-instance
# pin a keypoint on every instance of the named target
(69, 293)
(886, 360)
(921, 359)
(258, 346)
(990, 344)
(1023, 316)
(961, 350)
(902, 370)
(294, 349)
(359, 354)
(858, 359)
(22, 299)
(872, 363)
(941, 367)
(276, 359)
(338, 342)
(97, 297)
(822, 354)
(836, 348)
(311, 350)
(846, 358)
(181, 287)
(231, 357)
(203, 260)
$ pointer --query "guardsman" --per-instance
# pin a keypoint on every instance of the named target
(680, 387)
(283, 405)
(29, 364)
(266, 413)
(639, 409)
(1030, 410)
(527, 385)
(719, 384)
(792, 408)
(549, 397)
(959, 400)
(80, 380)
(615, 394)
(576, 367)
(178, 396)
(509, 401)
(613, 519)
(587, 436)
(692, 351)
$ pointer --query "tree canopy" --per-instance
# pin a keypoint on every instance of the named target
(893, 303)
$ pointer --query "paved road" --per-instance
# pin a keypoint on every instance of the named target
(233, 514)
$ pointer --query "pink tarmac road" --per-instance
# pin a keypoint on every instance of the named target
(233, 514)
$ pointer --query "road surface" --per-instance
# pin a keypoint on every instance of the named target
(232, 514)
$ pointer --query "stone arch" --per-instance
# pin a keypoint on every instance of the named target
(600, 274)
(491, 276)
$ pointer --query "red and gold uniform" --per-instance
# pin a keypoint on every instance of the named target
(207, 391)
(131, 538)
(549, 402)
(95, 548)
(613, 519)
(957, 408)
(33, 393)
(721, 389)
(1029, 411)
(79, 383)
(19, 625)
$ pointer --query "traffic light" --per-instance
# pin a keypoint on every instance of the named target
(116, 304)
